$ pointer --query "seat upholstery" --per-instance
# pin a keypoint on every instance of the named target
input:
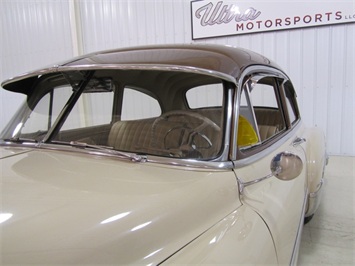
(130, 135)
(267, 131)
(269, 122)
(148, 135)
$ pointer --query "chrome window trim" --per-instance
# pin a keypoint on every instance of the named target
(256, 70)
(295, 106)
(172, 162)
(220, 162)
(228, 126)
(191, 163)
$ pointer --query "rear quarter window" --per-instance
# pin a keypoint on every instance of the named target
(138, 105)
(210, 95)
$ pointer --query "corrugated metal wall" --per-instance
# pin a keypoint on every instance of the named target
(33, 34)
(320, 61)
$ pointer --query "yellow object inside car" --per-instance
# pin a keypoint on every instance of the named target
(246, 133)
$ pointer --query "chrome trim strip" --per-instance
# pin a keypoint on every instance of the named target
(251, 69)
(20, 145)
(189, 163)
(234, 122)
(228, 126)
(294, 257)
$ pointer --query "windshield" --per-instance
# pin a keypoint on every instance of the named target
(164, 113)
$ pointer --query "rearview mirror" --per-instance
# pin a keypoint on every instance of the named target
(286, 166)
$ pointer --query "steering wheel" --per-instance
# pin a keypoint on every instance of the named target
(184, 140)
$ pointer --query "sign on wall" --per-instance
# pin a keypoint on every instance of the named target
(221, 18)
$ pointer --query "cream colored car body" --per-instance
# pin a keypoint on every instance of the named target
(75, 203)
(119, 211)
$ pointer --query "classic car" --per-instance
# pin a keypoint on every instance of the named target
(174, 154)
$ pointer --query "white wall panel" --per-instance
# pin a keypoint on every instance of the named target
(320, 61)
(112, 24)
(33, 34)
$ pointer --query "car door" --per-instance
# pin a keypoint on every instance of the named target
(268, 129)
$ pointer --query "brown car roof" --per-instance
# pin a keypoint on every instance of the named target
(222, 59)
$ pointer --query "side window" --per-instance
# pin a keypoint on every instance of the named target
(138, 105)
(260, 113)
(47, 110)
(207, 100)
(291, 103)
(210, 95)
(93, 108)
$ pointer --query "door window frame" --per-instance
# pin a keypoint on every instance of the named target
(261, 148)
